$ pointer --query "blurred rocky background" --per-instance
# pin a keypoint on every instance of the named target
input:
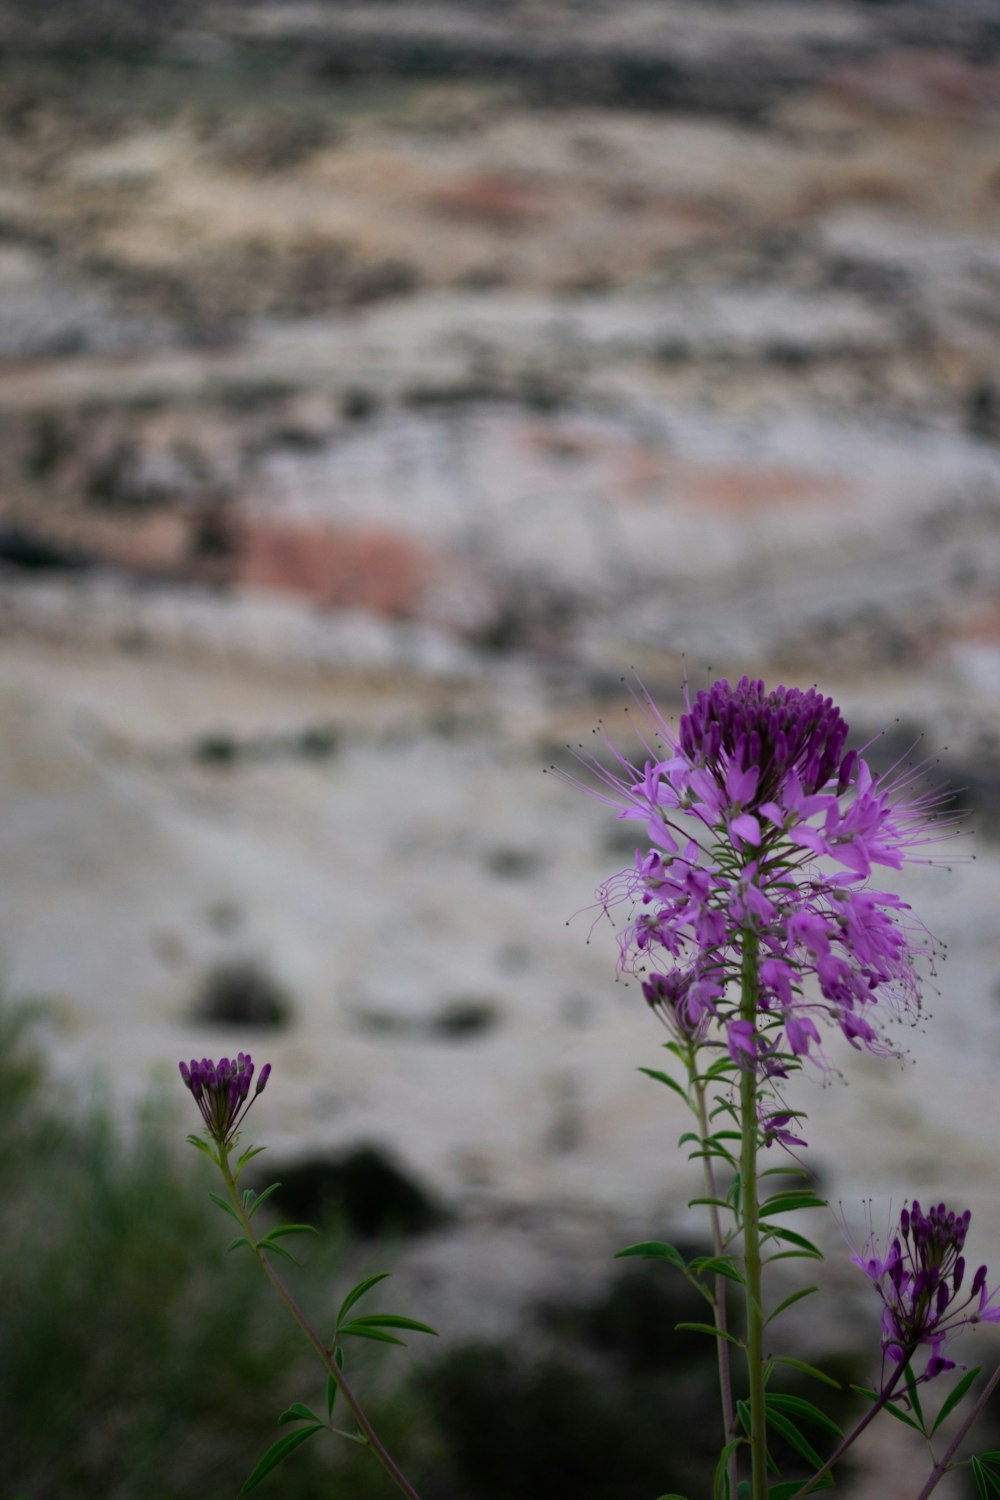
(382, 384)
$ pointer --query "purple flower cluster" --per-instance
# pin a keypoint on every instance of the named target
(222, 1092)
(920, 1279)
(761, 825)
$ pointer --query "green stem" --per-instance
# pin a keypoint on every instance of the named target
(325, 1353)
(944, 1463)
(751, 1233)
(719, 1246)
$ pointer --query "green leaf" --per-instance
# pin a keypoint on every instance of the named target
(359, 1291)
(665, 1078)
(248, 1155)
(654, 1250)
(202, 1145)
(954, 1397)
(720, 1485)
(910, 1381)
(279, 1250)
(805, 1291)
(261, 1197)
(716, 1333)
(802, 1408)
(224, 1203)
(298, 1413)
(277, 1451)
(709, 1202)
(772, 1232)
(785, 1203)
(795, 1438)
(979, 1474)
(331, 1394)
(902, 1416)
(718, 1265)
(800, 1364)
(983, 1467)
(689, 1135)
(361, 1331)
(789, 1487)
(392, 1320)
(281, 1230)
(240, 1239)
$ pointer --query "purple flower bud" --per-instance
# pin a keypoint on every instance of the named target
(265, 1074)
(221, 1090)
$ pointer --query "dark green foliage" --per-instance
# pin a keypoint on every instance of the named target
(135, 1360)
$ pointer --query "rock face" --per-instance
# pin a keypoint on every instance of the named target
(402, 375)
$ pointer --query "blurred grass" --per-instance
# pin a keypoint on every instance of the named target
(136, 1358)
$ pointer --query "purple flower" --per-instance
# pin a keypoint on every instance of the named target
(919, 1279)
(761, 824)
(222, 1092)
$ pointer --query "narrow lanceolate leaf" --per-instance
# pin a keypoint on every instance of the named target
(240, 1239)
(913, 1395)
(902, 1416)
(954, 1397)
(298, 1413)
(716, 1333)
(273, 1248)
(789, 1487)
(392, 1320)
(281, 1230)
(720, 1485)
(261, 1197)
(360, 1331)
(654, 1250)
(795, 1438)
(277, 1451)
(671, 1083)
(784, 1203)
(801, 1408)
(202, 1145)
(718, 1265)
(331, 1394)
(771, 1231)
(805, 1291)
(359, 1291)
(800, 1364)
(248, 1155)
(984, 1469)
(225, 1204)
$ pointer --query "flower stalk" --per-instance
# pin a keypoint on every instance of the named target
(751, 1231)
(325, 1352)
(719, 1311)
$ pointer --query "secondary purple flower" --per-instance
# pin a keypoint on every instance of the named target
(919, 1280)
(763, 828)
(222, 1092)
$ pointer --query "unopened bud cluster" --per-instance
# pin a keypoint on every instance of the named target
(222, 1092)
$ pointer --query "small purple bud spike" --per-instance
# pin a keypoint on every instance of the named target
(221, 1090)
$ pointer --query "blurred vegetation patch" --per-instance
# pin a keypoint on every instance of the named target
(135, 1359)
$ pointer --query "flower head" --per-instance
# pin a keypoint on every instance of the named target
(920, 1279)
(222, 1092)
(761, 825)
